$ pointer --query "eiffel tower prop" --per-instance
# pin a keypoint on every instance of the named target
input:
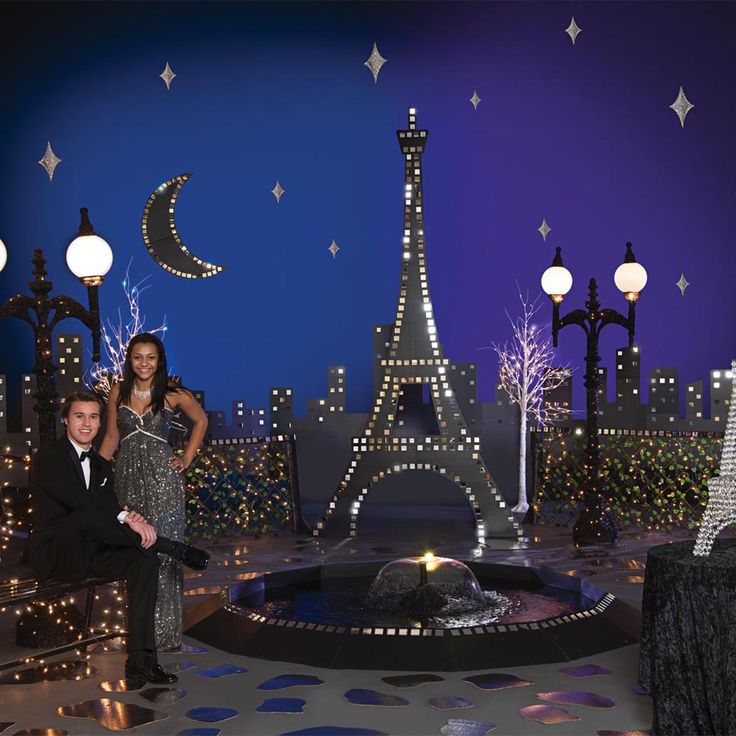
(721, 508)
(414, 358)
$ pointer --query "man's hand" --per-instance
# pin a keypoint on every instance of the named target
(133, 515)
(146, 532)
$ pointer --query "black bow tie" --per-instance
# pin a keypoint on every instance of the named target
(85, 454)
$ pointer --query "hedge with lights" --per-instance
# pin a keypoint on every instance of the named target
(241, 489)
(650, 480)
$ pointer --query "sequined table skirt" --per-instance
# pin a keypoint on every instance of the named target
(688, 644)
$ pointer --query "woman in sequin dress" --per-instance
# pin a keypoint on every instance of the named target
(147, 474)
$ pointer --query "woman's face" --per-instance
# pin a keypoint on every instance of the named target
(144, 361)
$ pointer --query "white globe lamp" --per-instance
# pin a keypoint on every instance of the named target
(88, 256)
(630, 276)
(556, 280)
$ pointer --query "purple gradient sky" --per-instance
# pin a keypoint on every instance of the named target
(581, 135)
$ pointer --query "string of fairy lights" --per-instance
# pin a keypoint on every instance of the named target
(9, 521)
(240, 490)
(231, 491)
(651, 480)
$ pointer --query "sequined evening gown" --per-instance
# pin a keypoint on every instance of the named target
(146, 483)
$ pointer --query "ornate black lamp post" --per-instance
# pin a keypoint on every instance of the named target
(595, 524)
(89, 257)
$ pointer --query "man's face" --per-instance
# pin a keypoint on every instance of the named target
(83, 422)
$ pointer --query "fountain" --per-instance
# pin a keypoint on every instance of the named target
(423, 612)
(436, 590)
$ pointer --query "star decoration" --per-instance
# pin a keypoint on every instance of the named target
(50, 161)
(544, 229)
(682, 106)
(375, 62)
(572, 30)
(334, 248)
(475, 99)
(277, 191)
(167, 75)
(682, 284)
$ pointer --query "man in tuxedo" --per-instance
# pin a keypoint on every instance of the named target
(79, 530)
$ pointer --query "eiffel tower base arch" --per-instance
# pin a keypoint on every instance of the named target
(493, 519)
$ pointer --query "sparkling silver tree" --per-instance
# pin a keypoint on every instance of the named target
(527, 373)
(720, 511)
(115, 337)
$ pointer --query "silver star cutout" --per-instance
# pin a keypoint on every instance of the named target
(167, 75)
(475, 99)
(682, 106)
(334, 248)
(375, 62)
(572, 30)
(544, 229)
(682, 284)
(50, 161)
(277, 191)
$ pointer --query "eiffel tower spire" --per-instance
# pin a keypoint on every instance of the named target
(415, 356)
(415, 332)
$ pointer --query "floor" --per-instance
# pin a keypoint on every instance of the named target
(224, 693)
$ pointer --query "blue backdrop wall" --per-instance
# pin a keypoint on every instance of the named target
(579, 134)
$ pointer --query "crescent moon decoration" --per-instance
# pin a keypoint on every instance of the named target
(163, 241)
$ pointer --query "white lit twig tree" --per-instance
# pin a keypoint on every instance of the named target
(526, 373)
(115, 338)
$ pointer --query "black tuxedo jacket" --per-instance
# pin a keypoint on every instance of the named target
(57, 490)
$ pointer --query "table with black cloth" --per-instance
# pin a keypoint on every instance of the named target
(688, 643)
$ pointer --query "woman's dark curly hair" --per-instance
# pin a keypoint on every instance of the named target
(160, 385)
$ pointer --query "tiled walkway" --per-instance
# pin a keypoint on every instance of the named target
(231, 689)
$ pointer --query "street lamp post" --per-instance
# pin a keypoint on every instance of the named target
(595, 523)
(89, 258)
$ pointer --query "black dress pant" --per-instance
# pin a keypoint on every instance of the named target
(93, 543)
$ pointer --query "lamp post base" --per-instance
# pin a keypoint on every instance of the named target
(594, 525)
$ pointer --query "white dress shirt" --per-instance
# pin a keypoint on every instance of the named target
(87, 471)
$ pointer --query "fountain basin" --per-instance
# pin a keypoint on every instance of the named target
(307, 615)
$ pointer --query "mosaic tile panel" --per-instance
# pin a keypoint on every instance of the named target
(179, 666)
(211, 714)
(412, 680)
(585, 670)
(577, 697)
(547, 714)
(221, 670)
(363, 696)
(282, 705)
(281, 682)
(464, 727)
(449, 703)
(497, 681)
(112, 714)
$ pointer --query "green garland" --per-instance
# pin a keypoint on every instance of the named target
(240, 489)
(654, 482)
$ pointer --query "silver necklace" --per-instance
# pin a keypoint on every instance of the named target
(142, 395)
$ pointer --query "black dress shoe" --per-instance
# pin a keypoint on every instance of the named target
(148, 670)
(192, 557)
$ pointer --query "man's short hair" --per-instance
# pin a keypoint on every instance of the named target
(81, 395)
